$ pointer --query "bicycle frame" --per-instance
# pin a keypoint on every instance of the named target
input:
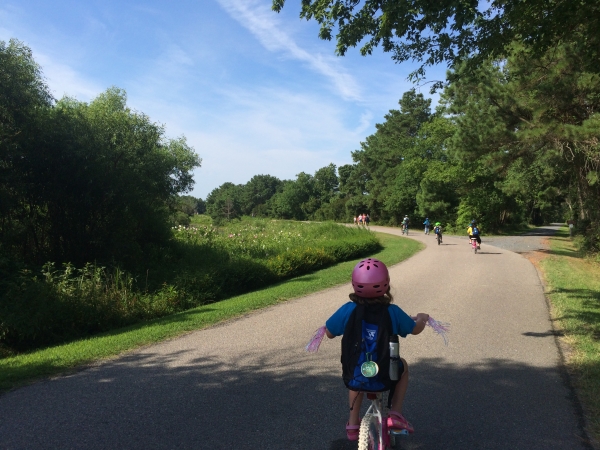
(374, 429)
(474, 244)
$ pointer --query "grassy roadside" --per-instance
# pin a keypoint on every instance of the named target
(15, 371)
(574, 292)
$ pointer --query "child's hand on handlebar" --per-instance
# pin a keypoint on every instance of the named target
(421, 320)
(422, 317)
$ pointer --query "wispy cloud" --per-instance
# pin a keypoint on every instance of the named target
(64, 80)
(262, 23)
(271, 131)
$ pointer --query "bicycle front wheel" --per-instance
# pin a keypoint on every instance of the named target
(369, 436)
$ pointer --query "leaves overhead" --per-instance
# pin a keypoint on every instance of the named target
(451, 31)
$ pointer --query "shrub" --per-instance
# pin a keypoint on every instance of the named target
(203, 265)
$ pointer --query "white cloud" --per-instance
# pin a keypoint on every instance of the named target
(272, 131)
(258, 18)
(242, 117)
(64, 80)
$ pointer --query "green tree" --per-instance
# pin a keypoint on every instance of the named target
(79, 181)
(453, 31)
(24, 103)
(532, 122)
(185, 206)
(294, 201)
(224, 202)
(438, 195)
(201, 206)
(326, 183)
(257, 192)
(353, 189)
(392, 163)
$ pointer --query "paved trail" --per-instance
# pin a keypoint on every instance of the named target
(248, 384)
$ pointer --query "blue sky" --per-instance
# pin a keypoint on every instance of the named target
(254, 92)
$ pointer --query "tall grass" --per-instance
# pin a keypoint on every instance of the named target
(574, 292)
(17, 369)
(204, 264)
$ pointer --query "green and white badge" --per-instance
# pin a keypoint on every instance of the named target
(369, 368)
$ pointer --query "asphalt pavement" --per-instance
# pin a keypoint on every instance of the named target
(248, 384)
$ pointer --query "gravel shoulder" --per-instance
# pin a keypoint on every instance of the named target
(535, 240)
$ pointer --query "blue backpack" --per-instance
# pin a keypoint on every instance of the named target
(366, 338)
(475, 231)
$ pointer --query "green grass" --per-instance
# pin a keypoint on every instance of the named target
(60, 304)
(574, 292)
(17, 370)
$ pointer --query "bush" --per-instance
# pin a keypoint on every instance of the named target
(203, 265)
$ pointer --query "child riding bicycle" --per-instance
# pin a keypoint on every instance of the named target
(372, 298)
(438, 230)
(474, 233)
(405, 224)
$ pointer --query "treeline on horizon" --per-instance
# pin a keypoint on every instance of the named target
(511, 143)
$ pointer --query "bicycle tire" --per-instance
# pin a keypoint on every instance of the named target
(369, 433)
(439, 239)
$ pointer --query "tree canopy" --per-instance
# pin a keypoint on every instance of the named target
(452, 31)
(81, 181)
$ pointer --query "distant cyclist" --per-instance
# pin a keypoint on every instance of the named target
(474, 233)
(438, 230)
(427, 224)
(405, 224)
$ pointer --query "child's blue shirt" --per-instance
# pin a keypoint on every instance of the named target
(402, 323)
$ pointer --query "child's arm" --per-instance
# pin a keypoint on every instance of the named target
(328, 333)
(420, 322)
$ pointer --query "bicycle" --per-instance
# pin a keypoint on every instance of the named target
(405, 229)
(374, 433)
(473, 240)
(439, 238)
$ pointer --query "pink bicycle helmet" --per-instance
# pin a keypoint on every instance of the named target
(370, 278)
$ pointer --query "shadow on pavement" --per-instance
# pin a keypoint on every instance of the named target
(543, 231)
(142, 401)
(546, 334)
(562, 252)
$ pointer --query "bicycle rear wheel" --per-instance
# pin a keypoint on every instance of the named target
(369, 435)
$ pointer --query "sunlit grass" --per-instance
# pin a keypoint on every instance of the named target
(574, 292)
(23, 368)
(202, 265)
